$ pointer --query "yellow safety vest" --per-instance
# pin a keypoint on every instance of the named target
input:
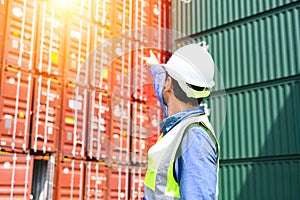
(159, 181)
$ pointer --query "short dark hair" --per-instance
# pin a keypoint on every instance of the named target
(181, 95)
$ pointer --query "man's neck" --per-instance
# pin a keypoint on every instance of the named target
(177, 106)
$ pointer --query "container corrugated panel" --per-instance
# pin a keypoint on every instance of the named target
(227, 12)
(267, 124)
(120, 130)
(71, 177)
(260, 180)
(50, 38)
(46, 112)
(119, 184)
(96, 186)
(16, 175)
(99, 126)
(74, 123)
(15, 113)
(260, 50)
(137, 182)
(20, 34)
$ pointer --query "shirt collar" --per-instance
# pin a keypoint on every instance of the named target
(167, 124)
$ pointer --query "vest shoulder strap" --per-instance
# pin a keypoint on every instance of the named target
(207, 130)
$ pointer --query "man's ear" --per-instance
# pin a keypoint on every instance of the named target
(168, 84)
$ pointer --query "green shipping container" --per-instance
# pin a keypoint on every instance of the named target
(256, 48)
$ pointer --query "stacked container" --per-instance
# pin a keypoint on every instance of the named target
(78, 111)
(256, 47)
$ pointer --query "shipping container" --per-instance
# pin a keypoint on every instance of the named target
(15, 112)
(3, 7)
(102, 13)
(16, 175)
(195, 17)
(137, 182)
(71, 177)
(268, 126)
(119, 185)
(50, 39)
(122, 76)
(273, 179)
(96, 177)
(74, 120)
(99, 125)
(267, 51)
(46, 112)
(100, 69)
(255, 46)
(120, 130)
(78, 48)
(140, 132)
(20, 34)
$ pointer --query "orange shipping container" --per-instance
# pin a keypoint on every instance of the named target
(15, 112)
(16, 175)
(71, 177)
(99, 125)
(137, 182)
(120, 130)
(46, 112)
(119, 184)
(74, 123)
(78, 50)
(3, 5)
(96, 181)
(20, 34)
(50, 39)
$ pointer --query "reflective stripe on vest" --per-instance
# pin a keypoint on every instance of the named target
(161, 157)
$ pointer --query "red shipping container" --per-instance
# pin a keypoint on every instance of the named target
(16, 175)
(137, 182)
(96, 181)
(101, 12)
(122, 16)
(78, 50)
(3, 5)
(50, 38)
(71, 177)
(46, 112)
(100, 70)
(140, 133)
(15, 112)
(119, 184)
(74, 123)
(99, 125)
(122, 76)
(81, 8)
(120, 130)
(20, 34)
(141, 78)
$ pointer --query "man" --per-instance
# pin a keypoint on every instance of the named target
(183, 164)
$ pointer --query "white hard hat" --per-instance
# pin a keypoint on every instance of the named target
(192, 64)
